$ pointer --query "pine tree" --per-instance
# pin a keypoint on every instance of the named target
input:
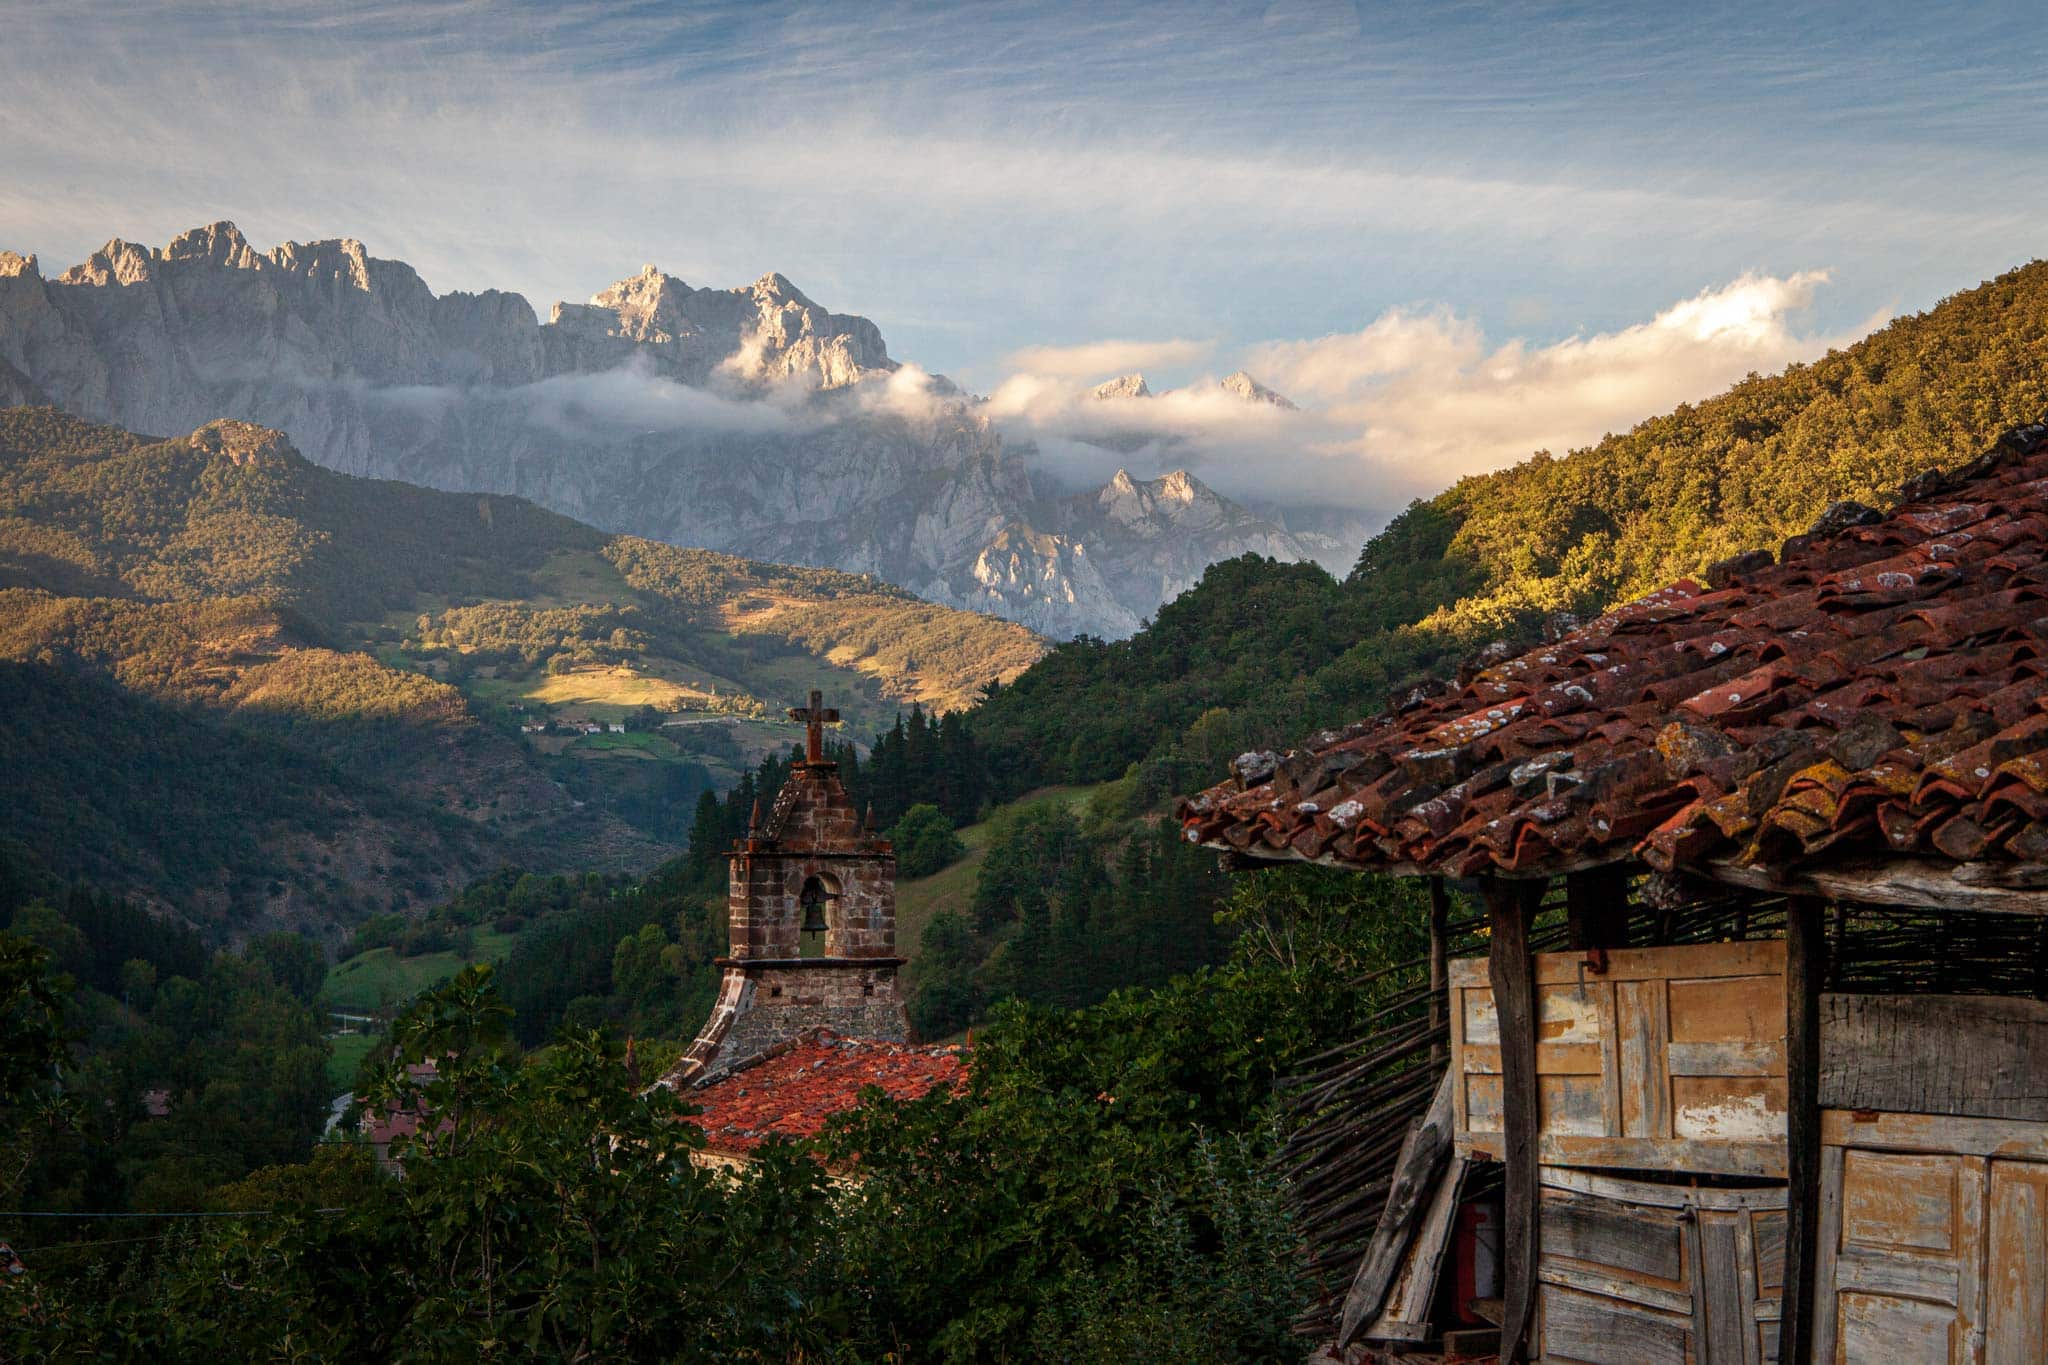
(708, 837)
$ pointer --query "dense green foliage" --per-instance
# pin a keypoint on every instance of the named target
(229, 1046)
(637, 956)
(1061, 917)
(1087, 711)
(1098, 1194)
(924, 841)
(125, 790)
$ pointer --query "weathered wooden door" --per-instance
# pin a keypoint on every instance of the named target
(1657, 1059)
(1933, 1240)
(1658, 1274)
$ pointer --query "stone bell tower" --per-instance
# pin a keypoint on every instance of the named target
(812, 899)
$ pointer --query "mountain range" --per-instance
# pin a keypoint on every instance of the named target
(258, 693)
(750, 420)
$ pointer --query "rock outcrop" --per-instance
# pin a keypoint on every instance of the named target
(1242, 385)
(750, 420)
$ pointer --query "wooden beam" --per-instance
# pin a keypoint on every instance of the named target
(1805, 949)
(1984, 1056)
(1424, 1154)
(1420, 1171)
(1509, 909)
(1439, 966)
(1596, 908)
(1920, 884)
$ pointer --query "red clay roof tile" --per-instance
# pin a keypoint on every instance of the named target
(792, 1091)
(1881, 688)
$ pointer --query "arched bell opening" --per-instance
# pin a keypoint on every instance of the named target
(817, 914)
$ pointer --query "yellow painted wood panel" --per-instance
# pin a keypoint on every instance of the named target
(1743, 1009)
(1679, 1046)
(1901, 1201)
(2016, 1273)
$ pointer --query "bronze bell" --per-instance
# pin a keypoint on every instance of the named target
(813, 927)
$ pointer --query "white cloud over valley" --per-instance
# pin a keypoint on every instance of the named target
(1420, 397)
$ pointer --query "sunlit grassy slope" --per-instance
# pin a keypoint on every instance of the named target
(952, 888)
(380, 979)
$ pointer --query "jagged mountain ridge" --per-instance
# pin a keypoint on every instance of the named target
(749, 420)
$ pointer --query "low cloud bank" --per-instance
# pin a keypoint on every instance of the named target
(1401, 408)
(1412, 401)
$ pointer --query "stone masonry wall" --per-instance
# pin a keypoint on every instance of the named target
(778, 1003)
(766, 913)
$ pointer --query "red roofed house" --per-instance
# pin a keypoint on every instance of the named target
(790, 1090)
(382, 1127)
(808, 1010)
(1778, 1086)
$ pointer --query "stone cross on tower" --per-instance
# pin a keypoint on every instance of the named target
(815, 716)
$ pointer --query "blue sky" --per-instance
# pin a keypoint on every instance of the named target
(1223, 181)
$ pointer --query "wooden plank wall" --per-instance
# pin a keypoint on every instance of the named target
(1933, 1240)
(1634, 1271)
(1670, 1059)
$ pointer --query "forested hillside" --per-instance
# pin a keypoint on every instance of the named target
(263, 693)
(1258, 654)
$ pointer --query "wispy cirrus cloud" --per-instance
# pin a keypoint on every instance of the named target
(1250, 170)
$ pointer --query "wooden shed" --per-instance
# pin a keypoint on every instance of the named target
(1754, 1065)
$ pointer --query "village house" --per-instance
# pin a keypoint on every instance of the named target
(808, 1011)
(380, 1127)
(1755, 1066)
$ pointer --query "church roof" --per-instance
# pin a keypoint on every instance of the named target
(793, 1089)
(1880, 688)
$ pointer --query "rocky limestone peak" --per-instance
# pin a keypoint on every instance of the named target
(649, 306)
(218, 244)
(334, 260)
(1241, 385)
(1124, 500)
(13, 266)
(1173, 503)
(118, 262)
(776, 286)
(244, 444)
(1146, 497)
(1123, 386)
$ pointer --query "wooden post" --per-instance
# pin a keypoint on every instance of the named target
(1805, 950)
(1439, 964)
(1596, 908)
(1509, 908)
(1424, 1154)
